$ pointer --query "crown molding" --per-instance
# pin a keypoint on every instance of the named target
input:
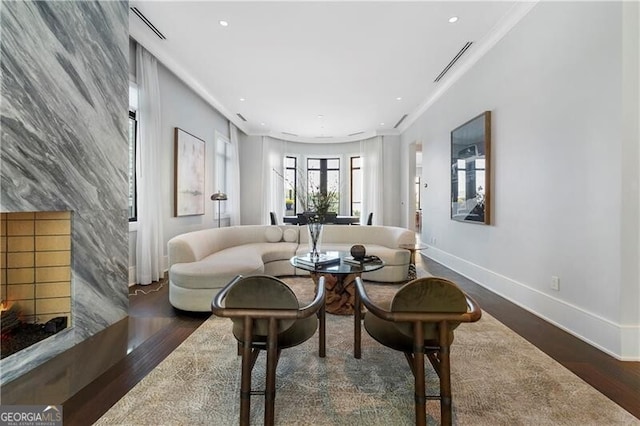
(326, 140)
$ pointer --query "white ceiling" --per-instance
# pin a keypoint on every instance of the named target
(347, 62)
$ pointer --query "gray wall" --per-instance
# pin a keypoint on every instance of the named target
(63, 146)
(564, 101)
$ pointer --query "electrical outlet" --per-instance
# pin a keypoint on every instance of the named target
(555, 283)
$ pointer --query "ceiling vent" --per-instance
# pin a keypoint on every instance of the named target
(453, 61)
(241, 117)
(148, 23)
(324, 137)
(400, 121)
(356, 133)
(289, 134)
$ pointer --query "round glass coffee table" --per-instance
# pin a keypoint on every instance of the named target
(339, 278)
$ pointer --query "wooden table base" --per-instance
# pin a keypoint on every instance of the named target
(340, 292)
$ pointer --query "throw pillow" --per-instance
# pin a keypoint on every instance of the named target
(291, 235)
(273, 234)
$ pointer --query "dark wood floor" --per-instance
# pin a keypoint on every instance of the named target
(620, 381)
(155, 329)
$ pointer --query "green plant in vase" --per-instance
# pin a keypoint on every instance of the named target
(322, 203)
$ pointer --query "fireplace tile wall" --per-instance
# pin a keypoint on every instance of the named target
(36, 264)
(64, 147)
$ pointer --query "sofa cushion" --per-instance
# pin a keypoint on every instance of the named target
(290, 235)
(273, 234)
(217, 269)
(270, 252)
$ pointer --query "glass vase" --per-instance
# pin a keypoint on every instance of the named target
(315, 236)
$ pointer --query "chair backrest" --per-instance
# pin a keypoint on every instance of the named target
(370, 219)
(261, 292)
(303, 218)
(430, 294)
(330, 217)
(274, 219)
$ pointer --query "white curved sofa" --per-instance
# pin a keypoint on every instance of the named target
(202, 262)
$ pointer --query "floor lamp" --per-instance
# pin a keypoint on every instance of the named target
(219, 196)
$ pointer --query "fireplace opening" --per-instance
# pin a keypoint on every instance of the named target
(17, 334)
(35, 277)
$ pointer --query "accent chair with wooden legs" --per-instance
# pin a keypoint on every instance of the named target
(266, 315)
(419, 321)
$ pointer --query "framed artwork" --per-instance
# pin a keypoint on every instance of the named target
(189, 163)
(471, 170)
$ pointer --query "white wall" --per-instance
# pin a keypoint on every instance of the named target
(554, 85)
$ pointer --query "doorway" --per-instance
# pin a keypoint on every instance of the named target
(414, 192)
(418, 189)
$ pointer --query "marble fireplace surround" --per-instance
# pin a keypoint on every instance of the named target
(64, 147)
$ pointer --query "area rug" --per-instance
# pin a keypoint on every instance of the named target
(498, 378)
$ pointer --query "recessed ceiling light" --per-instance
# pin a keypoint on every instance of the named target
(262, 124)
(223, 23)
(453, 19)
(398, 98)
(320, 116)
(242, 99)
(382, 124)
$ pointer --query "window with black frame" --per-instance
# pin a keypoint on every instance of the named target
(356, 186)
(133, 137)
(323, 176)
(290, 182)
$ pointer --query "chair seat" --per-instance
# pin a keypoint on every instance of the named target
(301, 331)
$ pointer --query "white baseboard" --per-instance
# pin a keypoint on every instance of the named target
(619, 341)
(132, 275)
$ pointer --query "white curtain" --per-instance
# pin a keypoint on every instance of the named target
(373, 180)
(233, 190)
(150, 241)
(272, 185)
(266, 181)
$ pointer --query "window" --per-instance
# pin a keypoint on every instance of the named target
(323, 174)
(290, 185)
(133, 138)
(223, 167)
(356, 186)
